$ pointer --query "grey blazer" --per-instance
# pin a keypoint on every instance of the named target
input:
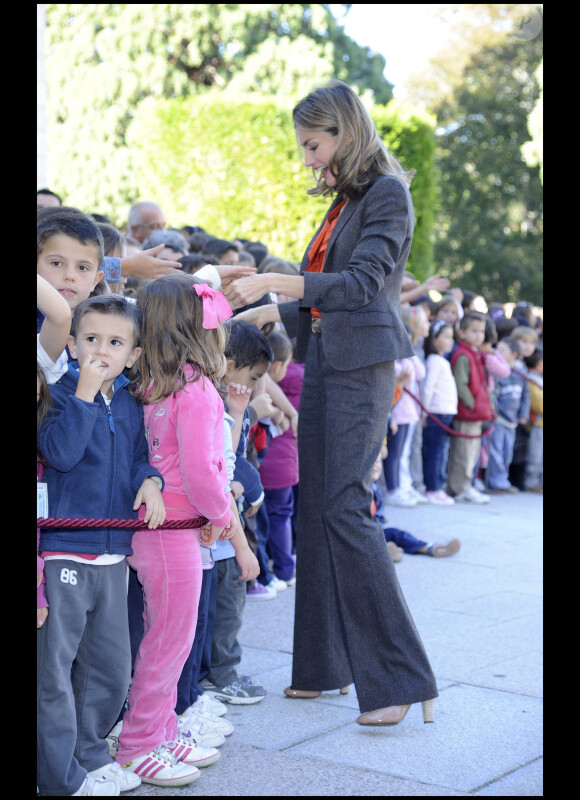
(358, 293)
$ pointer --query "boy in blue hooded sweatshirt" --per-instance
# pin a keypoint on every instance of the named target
(93, 443)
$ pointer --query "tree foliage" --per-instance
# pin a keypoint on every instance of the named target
(410, 135)
(490, 227)
(483, 90)
(234, 167)
(104, 60)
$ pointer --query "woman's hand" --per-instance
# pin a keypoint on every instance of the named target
(245, 291)
(229, 273)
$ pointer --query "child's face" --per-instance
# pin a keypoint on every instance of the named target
(448, 313)
(230, 258)
(421, 325)
(445, 341)
(71, 267)
(527, 347)
(377, 469)
(107, 338)
(507, 353)
(474, 334)
(246, 376)
(278, 369)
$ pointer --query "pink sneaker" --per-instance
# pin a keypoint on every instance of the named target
(439, 498)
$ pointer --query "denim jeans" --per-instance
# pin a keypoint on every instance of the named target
(262, 525)
(404, 539)
(434, 440)
(535, 462)
(391, 464)
(501, 450)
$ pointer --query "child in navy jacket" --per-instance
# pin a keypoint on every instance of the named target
(94, 445)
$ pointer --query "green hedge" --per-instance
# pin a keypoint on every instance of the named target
(234, 168)
(411, 137)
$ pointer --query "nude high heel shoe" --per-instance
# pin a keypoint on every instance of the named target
(303, 693)
(392, 715)
(306, 695)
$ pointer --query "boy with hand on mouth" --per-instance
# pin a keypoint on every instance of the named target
(93, 441)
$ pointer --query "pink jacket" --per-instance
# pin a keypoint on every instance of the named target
(185, 433)
(495, 364)
(406, 409)
(279, 469)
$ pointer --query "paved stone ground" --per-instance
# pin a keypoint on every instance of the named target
(479, 615)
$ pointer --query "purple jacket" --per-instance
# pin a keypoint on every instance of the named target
(279, 469)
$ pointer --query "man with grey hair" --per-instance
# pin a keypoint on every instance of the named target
(175, 245)
(144, 217)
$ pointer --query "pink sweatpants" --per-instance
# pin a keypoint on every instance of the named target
(168, 565)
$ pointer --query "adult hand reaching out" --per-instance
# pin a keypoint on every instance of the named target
(229, 273)
(147, 266)
(244, 291)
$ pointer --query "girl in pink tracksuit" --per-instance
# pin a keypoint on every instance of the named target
(181, 365)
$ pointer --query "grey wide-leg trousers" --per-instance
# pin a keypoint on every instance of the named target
(351, 622)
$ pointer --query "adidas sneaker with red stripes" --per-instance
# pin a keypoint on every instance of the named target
(161, 768)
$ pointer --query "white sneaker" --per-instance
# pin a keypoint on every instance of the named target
(115, 772)
(113, 739)
(161, 768)
(471, 495)
(199, 730)
(399, 498)
(186, 750)
(209, 703)
(223, 726)
(291, 581)
(419, 497)
(93, 787)
(278, 584)
(439, 498)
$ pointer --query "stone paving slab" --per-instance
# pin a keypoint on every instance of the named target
(250, 772)
(479, 614)
(478, 734)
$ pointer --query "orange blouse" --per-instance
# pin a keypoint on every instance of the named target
(317, 252)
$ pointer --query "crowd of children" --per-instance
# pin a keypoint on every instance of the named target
(156, 404)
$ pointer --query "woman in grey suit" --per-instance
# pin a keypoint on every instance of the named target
(351, 622)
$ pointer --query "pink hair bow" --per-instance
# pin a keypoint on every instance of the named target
(215, 305)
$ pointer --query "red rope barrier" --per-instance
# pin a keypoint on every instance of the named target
(138, 524)
(448, 430)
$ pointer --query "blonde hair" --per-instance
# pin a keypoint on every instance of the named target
(360, 156)
(524, 332)
(172, 336)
